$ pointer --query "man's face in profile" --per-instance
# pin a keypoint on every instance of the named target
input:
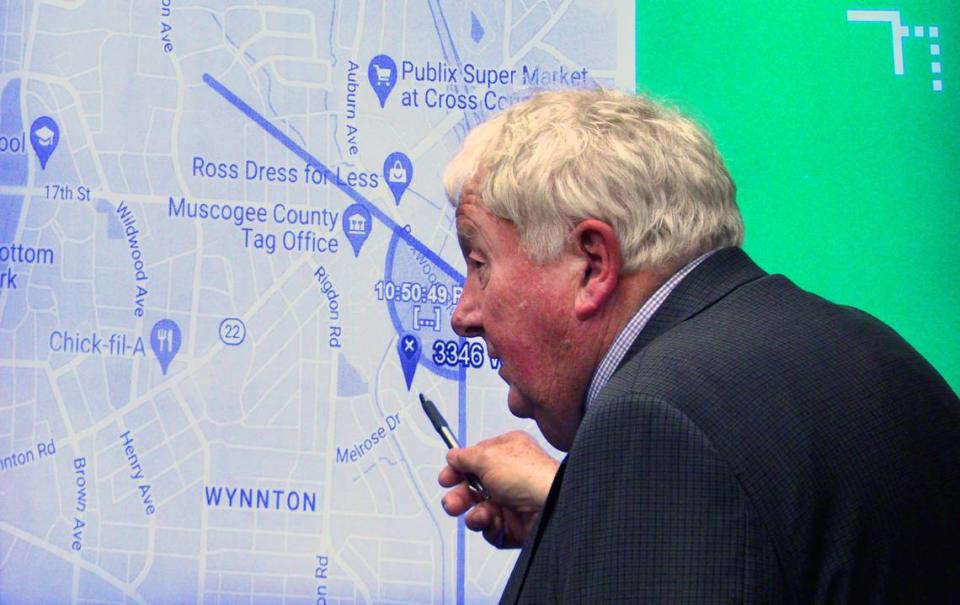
(524, 312)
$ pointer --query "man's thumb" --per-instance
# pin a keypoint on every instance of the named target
(459, 460)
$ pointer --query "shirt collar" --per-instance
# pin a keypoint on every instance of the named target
(611, 360)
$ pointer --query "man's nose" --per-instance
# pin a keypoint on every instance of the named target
(466, 318)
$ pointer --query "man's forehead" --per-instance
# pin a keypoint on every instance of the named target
(470, 193)
(470, 203)
(475, 222)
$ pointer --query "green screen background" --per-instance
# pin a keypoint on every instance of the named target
(848, 176)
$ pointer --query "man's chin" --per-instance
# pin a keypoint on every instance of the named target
(518, 405)
(522, 407)
(555, 436)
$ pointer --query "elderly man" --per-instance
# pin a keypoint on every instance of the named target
(730, 437)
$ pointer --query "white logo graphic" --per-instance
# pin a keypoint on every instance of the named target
(398, 174)
(357, 224)
(898, 32)
(383, 75)
(44, 136)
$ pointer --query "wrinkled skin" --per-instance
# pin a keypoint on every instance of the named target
(518, 474)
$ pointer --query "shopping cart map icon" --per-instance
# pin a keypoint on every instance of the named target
(382, 74)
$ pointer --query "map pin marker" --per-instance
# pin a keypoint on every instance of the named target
(398, 171)
(44, 136)
(409, 349)
(357, 225)
(382, 74)
(165, 341)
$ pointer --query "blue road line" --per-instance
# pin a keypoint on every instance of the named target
(265, 71)
(462, 378)
(461, 526)
(331, 177)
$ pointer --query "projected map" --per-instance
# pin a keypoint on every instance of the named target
(227, 268)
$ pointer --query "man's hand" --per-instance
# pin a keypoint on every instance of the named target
(517, 474)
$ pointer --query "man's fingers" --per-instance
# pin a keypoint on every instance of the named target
(481, 517)
(449, 477)
(458, 500)
(494, 533)
(465, 459)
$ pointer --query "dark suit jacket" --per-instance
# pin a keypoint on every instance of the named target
(757, 445)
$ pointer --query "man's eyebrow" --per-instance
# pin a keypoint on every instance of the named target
(466, 230)
(466, 236)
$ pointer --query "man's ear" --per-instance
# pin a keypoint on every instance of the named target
(598, 248)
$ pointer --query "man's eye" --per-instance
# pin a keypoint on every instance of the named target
(476, 264)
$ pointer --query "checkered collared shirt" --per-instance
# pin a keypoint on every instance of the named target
(633, 328)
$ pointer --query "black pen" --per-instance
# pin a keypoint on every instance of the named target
(440, 424)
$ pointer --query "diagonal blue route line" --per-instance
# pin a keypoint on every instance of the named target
(330, 176)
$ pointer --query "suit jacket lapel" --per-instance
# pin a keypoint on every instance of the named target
(511, 593)
(724, 271)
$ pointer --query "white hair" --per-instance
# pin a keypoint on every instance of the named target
(561, 157)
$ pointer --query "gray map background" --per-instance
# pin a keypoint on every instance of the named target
(271, 412)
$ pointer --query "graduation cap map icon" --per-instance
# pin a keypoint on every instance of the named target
(44, 136)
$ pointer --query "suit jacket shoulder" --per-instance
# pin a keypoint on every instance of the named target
(826, 447)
